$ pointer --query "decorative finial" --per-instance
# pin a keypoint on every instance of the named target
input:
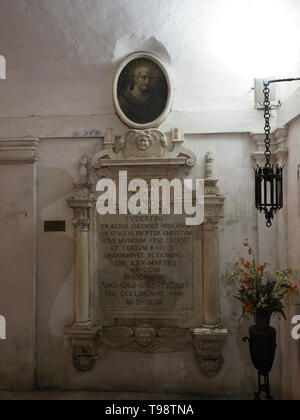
(209, 166)
(177, 136)
(109, 139)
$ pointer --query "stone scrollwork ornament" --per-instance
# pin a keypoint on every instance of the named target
(143, 145)
(208, 345)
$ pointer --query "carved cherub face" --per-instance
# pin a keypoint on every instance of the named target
(144, 336)
(144, 142)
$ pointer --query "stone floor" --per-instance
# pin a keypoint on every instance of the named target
(108, 396)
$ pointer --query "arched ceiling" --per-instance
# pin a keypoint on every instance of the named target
(62, 54)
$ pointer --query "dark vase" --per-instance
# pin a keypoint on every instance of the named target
(262, 346)
(262, 320)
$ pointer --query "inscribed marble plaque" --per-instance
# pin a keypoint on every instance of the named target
(144, 263)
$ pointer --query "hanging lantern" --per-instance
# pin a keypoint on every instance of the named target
(269, 179)
(268, 191)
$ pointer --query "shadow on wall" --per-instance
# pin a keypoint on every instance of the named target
(55, 186)
(55, 272)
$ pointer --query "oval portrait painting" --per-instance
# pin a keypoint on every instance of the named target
(142, 91)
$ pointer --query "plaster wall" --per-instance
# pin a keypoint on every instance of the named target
(61, 57)
(115, 370)
(17, 274)
(293, 368)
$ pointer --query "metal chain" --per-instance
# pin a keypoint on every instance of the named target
(267, 115)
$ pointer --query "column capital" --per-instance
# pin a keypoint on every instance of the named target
(81, 223)
(80, 206)
(210, 222)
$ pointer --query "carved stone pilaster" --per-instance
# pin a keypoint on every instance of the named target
(211, 287)
(81, 332)
(213, 210)
(208, 345)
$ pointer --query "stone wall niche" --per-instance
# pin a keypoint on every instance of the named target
(148, 282)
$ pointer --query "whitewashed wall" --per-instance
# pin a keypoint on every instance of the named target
(61, 57)
(292, 368)
(17, 275)
(57, 170)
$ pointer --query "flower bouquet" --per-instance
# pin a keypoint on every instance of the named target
(260, 293)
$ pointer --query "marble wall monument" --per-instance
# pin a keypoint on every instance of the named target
(147, 283)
